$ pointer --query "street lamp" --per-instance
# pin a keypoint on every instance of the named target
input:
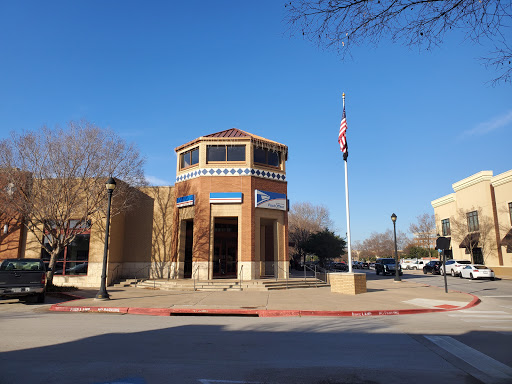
(397, 266)
(103, 294)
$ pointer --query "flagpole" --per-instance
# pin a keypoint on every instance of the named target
(349, 249)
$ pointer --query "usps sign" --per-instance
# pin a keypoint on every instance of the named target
(270, 200)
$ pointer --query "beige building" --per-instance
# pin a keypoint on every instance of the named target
(477, 217)
(226, 217)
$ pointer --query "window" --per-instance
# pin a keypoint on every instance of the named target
(189, 158)
(445, 224)
(216, 153)
(73, 260)
(473, 221)
(267, 157)
(510, 212)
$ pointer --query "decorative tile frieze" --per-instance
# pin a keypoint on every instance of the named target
(231, 172)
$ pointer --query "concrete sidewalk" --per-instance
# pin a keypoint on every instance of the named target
(384, 297)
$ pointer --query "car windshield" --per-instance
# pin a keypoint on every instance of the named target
(464, 262)
(481, 267)
(388, 261)
(21, 265)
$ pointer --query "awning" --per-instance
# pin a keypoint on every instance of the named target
(470, 241)
(507, 241)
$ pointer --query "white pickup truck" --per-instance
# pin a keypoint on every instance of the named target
(414, 264)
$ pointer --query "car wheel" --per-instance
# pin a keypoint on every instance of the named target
(471, 276)
(41, 297)
(377, 271)
(415, 268)
(461, 275)
(433, 272)
(441, 271)
(424, 271)
(453, 273)
(492, 278)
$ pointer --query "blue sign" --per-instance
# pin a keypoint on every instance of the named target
(270, 200)
(226, 197)
(185, 201)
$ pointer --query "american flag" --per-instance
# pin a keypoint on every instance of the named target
(342, 136)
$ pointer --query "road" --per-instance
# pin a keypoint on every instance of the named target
(472, 346)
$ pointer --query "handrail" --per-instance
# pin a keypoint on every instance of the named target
(241, 276)
(282, 269)
(112, 273)
(313, 270)
(138, 270)
(194, 276)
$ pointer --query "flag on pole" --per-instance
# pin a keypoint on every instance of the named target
(342, 136)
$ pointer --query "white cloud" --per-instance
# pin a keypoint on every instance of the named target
(155, 181)
(491, 125)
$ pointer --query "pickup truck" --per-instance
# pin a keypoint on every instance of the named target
(23, 278)
(387, 265)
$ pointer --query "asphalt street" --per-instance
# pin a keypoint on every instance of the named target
(469, 346)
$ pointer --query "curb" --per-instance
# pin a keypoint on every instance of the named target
(251, 312)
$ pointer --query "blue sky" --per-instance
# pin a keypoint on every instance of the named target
(161, 73)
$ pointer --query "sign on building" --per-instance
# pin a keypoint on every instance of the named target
(270, 200)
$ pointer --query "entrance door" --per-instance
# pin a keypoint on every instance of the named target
(189, 244)
(225, 248)
(478, 258)
(269, 250)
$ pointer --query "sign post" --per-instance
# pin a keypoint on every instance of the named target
(443, 243)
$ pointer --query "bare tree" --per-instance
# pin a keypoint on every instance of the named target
(473, 237)
(381, 245)
(58, 178)
(342, 24)
(305, 219)
(424, 230)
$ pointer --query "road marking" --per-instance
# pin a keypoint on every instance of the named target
(486, 320)
(482, 316)
(473, 311)
(499, 296)
(435, 303)
(483, 363)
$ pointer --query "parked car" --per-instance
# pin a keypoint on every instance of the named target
(418, 264)
(365, 265)
(355, 265)
(453, 266)
(339, 267)
(406, 264)
(23, 278)
(433, 267)
(372, 265)
(386, 266)
(476, 271)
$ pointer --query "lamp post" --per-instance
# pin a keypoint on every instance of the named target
(397, 266)
(103, 294)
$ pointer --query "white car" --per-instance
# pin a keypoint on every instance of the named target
(476, 271)
(453, 266)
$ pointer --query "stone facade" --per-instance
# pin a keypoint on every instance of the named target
(348, 283)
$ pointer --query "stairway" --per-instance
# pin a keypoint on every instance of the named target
(224, 284)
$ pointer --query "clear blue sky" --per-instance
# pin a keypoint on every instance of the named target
(161, 73)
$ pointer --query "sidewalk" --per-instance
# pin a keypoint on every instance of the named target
(384, 297)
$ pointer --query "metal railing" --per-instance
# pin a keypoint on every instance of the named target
(241, 276)
(318, 274)
(194, 276)
(274, 265)
(114, 278)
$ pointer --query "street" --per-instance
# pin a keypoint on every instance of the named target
(469, 346)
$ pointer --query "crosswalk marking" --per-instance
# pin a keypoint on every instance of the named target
(427, 303)
(492, 369)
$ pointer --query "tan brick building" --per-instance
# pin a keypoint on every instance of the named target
(226, 217)
(231, 219)
(478, 219)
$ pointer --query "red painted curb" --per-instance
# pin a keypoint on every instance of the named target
(253, 312)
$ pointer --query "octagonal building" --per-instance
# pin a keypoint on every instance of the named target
(231, 213)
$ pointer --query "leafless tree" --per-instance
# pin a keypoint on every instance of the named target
(381, 245)
(305, 219)
(424, 230)
(482, 237)
(58, 178)
(342, 24)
